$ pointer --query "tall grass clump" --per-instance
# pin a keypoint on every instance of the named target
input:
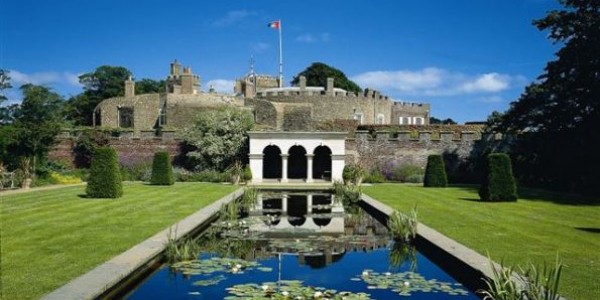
(498, 182)
(403, 228)
(105, 177)
(180, 251)
(162, 170)
(435, 172)
(535, 283)
(249, 197)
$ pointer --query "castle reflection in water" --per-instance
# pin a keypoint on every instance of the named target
(312, 225)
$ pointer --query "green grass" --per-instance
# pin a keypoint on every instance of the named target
(50, 237)
(533, 229)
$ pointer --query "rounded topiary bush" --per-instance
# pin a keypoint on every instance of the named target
(162, 171)
(435, 172)
(498, 181)
(105, 176)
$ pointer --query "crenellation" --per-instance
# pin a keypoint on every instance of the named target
(425, 136)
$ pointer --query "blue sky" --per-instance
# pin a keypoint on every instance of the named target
(465, 57)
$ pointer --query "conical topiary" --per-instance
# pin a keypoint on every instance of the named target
(105, 176)
(162, 171)
(435, 173)
(498, 181)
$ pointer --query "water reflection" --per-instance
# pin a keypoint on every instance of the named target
(313, 226)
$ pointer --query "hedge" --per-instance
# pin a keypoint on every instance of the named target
(435, 173)
(162, 171)
(105, 176)
(498, 181)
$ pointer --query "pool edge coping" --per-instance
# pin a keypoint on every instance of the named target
(99, 280)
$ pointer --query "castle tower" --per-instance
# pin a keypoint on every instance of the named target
(129, 87)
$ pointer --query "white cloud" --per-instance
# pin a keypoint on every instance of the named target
(232, 17)
(221, 85)
(491, 99)
(44, 78)
(260, 47)
(437, 82)
(489, 82)
(310, 38)
(306, 38)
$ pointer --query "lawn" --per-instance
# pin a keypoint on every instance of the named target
(533, 229)
(50, 237)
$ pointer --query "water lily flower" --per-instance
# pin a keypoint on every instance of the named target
(285, 293)
(388, 274)
(234, 270)
(406, 283)
(318, 294)
(238, 266)
(365, 273)
(265, 287)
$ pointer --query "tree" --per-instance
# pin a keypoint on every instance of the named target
(37, 122)
(218, 138)
(435, 172)
(434, 120)
(105, 82)
(317, 73)
(150, 86)
(557, 116)
(4, 84)
(162, 171)
(105, 177)
(498, 183)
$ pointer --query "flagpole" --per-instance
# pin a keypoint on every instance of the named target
(280, 56)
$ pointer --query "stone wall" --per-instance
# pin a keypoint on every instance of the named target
(130, 150)
(377, 151)
(366, 148)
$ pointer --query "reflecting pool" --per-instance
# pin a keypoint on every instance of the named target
(292, 245)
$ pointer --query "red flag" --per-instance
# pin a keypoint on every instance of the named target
(275, 24)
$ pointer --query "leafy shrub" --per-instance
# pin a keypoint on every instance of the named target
(401, 171)
(435, 172)
(202, 176)
(353, 173)
(105, 177)
(58, 178)
(162, 171)
(375, 176)
(247, 173)
(498, 181)
(415, 178)
(141, 171)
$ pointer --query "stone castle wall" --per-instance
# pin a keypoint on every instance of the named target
(371, 150)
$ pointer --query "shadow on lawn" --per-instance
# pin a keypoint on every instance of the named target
(531, 194)
(588, 229)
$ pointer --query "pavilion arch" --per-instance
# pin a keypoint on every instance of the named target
(297, 151)
(322, 163)
(297, 165)
(272, 162)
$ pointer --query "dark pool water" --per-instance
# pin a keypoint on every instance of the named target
(311, 241)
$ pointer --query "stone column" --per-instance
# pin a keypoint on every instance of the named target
(284, 205)
(256, 167)
(284, 167)
(309, 167)
(309, 203)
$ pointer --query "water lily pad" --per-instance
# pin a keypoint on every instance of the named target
(405, 283)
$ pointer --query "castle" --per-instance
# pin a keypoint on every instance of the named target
(297, 108)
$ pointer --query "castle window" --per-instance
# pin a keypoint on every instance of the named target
(380, 119)
(358, 117)
(405, 121)
(418, 121)
(162, 118)
(125, 115)
(98, 117)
